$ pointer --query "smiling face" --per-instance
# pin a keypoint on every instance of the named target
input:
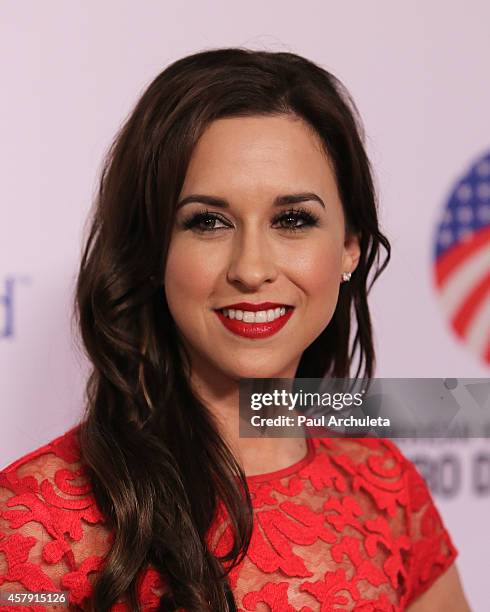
(252, 175)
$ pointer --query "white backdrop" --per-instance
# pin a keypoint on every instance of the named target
(70, 73)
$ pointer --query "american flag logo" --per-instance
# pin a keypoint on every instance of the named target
(462, 259)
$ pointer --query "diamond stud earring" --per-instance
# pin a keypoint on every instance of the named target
(346, 276)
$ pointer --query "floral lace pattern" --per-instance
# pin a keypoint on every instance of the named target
(352, 526)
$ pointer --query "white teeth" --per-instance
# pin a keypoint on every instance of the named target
(262, 316)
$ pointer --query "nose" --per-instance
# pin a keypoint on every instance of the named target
(252, 261)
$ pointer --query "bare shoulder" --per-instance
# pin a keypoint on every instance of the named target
(445, 595)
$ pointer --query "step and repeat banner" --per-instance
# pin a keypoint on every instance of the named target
(71, 73)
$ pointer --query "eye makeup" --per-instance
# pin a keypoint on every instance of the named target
(197, 221)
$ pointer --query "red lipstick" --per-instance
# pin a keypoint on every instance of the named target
(254, 307)
(255, 330)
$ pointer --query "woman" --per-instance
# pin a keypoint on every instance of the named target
(238, 184)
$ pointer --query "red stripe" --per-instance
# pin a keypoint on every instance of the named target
(453, 257)
(487, 354)
(470, 305)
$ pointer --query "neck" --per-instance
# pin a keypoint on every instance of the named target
(220, 394)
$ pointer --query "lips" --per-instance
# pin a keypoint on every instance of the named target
(254, 307)
(255, 330)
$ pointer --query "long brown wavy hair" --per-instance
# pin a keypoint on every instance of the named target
(154, 455)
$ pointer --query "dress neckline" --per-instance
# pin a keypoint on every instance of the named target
(287, 471)
(290, 469)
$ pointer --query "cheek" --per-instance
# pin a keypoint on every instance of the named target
(318, 275)
(189, 276)
(318, 268)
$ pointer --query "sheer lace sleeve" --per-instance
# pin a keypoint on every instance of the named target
(432, 550)
(51, 533)
(53, 536)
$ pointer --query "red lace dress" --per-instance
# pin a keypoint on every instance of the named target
(351, 526)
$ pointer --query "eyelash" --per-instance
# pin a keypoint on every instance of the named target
(309, 220)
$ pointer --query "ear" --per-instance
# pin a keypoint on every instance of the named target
(351, 253)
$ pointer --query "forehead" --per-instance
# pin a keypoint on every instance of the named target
(263, 151)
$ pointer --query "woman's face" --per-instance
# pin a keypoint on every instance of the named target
(247, 178)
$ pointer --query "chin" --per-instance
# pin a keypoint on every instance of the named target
(254, 370)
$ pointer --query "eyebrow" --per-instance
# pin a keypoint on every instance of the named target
(282, 200)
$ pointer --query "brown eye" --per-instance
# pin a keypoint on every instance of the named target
(203, 222)
(291, 218)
